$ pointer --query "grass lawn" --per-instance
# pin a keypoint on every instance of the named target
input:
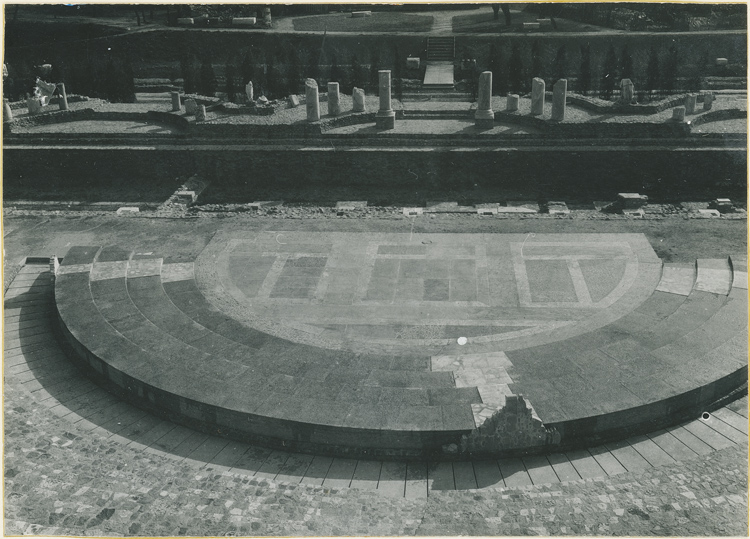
(483, 22)
(378, 22)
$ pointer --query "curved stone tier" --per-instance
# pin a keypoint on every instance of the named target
(671, 344)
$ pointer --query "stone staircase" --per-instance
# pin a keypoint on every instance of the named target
(441, 49)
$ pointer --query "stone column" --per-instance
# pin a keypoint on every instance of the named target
(34, 106)
(7, 113)
(267, 15)
(627, 91)
(200, 113)
(537, 96)
(511, 104)
(358, 100)
(385, 118)
(334, 109)
(484, 118)
(63, 96)
(690, 101)
(708, 101)
(311, 100)
(249, 91)
(559, 94)
(190, 107)
(678, 114)
(176, 102)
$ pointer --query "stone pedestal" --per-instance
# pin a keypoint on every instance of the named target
(249, 91)
(484, 117)
(708, 101)
(678, 114)
(311, 100)
(537, 96)
(63, 103)
(176, 102)
(293, 101)
(34, 105)
(267, 15)
(358, 100)
(721, 61)
(190, 107)
(7, 113)
(412, 63)
(690, 102)
(559, 95)
(627, 91)
(200, 113)
(511, 104)
(334, 109)
(386, 117)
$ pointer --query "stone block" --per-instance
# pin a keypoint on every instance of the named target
(511, 103)
(707, 214)
(537, 96)
(349, 205)
(190, 107)
(293, 101)
(413, 211)
(63, 100)
(185, 197)
(34, 105)
(128, 210)
(556, 207)
(722, 205)
(487, 209)
(185, 21)
(678, 114)
(358, 100)
(529, 26)
(334, 108)
(7, 112)
(631, 200)
(559, 96)
(708, 101)
(200, 113)
(249, 91)
(690, 102)
(544, 23)
(244, 21)
(176, 102)
(627, 91)
(311, 100)
(721, 61)
(361, 14)
(412, 63)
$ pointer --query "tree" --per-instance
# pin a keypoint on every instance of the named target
(336, 71)
(312, 69)
(670, 70)
(652, 71)
(247, 69)
(496, 11)
(374, 68)
(207, 79)
(609, 74)
(398, 73)
(499, 74)
(358, 75)
(584, 76)
(506, 13)
(274, 87)
(128, 81)
(229, 74)
(515, 70)
(189, 76)
(294, 72)
(626, 64)
(560, 65)
(536, 60)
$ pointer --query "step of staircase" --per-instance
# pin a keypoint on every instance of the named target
(441, 49)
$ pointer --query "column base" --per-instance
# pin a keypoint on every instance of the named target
(385, 119)
(484, 119)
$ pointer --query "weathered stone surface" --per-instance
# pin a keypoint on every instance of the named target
(34, 105)
(7, 113)
(293, 101)
(537, 96)
(244, 21)
(631, 201)
(63, 102)
(200, 113)
(511, 104)
(267, 15)
(185, 21)
(334, 108)
(559, 95)
(690, 102)
(311, 100)
(484, 116)
(190, 107)
(412, 63)
(531, 26)
(721, 61)
(678, 114)
(385, 118)
(708, 101)
(249, 90)
(627, 91)
(358, 100)
(176, 102)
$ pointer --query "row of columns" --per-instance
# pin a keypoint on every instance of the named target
(485, 117)
(34, 105)
(385, 116)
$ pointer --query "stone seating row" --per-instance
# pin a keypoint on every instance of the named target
(678, 352)
(253, 385)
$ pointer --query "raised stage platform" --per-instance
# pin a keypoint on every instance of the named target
(348, 343)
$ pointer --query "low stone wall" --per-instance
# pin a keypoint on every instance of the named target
(600, 105)
(718, 116)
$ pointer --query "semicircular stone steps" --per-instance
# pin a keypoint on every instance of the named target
(287, 392)
(647, 369)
